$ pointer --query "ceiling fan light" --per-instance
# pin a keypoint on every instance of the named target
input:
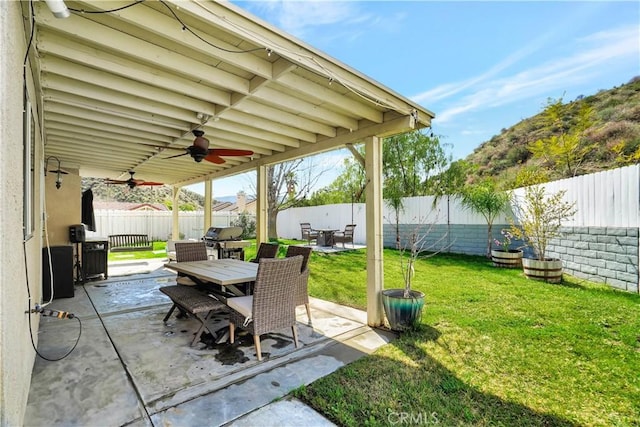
(201, 142)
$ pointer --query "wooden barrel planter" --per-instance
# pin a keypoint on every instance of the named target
(506, 259)
(549, 270)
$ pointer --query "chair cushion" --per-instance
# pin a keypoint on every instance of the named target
(243, 305)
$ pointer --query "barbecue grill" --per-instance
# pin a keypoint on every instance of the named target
(227, 241)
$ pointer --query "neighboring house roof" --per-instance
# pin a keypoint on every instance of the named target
(128, 206)
(250, 206)
(222, 206)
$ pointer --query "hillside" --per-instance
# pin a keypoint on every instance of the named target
(150, 194)
(611, 141)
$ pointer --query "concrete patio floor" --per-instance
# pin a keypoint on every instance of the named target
(130, 368)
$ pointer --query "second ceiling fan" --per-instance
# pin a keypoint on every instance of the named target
(131, 182)
(200, 150)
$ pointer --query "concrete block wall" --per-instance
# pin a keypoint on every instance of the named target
(599, 254)
(469, 239)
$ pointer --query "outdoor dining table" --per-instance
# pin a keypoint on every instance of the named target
(226, 273)
(325, 236)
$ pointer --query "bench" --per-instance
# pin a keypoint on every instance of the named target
(195, 302)
(129, 242)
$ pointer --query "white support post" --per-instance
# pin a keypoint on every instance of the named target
(208, 203)
(375, 272)
(175, 228)
(261, 206)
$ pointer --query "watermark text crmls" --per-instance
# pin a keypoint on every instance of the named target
(413, 418)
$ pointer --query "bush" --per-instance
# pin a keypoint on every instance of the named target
(248, 224)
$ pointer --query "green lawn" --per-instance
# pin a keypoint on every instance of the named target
(159, 251)
(493, 349)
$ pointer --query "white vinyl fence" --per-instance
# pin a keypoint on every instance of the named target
(603, 199)
(156, 224)
(599, 243)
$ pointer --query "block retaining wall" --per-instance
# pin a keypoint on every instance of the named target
(599, 254)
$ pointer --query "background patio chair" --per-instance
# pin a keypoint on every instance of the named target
(272, 305)
(302, 292)
(308, 233)
(266, 250)
(345, 236)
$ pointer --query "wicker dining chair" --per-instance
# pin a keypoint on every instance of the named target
(272, 305)
(266, 250)
(302, 291)
(191, 299)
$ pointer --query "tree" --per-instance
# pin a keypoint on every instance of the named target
(485, 199)
(410, 160)
(564, 148)
(347, 187)
(541, 217)
(288, 184)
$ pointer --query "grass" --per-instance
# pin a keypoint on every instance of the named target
(159, 251)
(493, 348)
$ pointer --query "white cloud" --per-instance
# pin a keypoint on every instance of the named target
(594, 55)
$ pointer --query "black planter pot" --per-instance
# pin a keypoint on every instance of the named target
(402, 313)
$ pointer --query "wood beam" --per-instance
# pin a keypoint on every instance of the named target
(79, 28)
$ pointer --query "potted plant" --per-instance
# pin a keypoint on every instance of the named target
(540, 217)
(504, 256)
(403, 306)
(487, 200)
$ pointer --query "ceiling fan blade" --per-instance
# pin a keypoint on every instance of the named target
(213, 158)
(230, 152)
(150, 183)
(114, 181)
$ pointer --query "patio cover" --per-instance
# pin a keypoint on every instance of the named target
(124, 89)
(123, 84)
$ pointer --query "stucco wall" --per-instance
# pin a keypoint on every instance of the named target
(63, 205)
(16, 353)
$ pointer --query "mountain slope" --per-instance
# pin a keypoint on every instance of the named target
(147, 194)
(614, 134)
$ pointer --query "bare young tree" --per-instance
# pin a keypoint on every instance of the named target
(288, 184)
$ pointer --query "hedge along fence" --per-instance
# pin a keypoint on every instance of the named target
(600, 243)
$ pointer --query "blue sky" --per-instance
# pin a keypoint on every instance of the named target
(479, 66)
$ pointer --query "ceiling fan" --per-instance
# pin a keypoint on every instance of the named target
(131, 182)
(200, 150)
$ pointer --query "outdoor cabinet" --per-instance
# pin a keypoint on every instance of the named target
(94, 258)
(62, 266)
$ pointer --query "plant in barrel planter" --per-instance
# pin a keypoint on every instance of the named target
(540, 217)
(487, 200)
(504, 256)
